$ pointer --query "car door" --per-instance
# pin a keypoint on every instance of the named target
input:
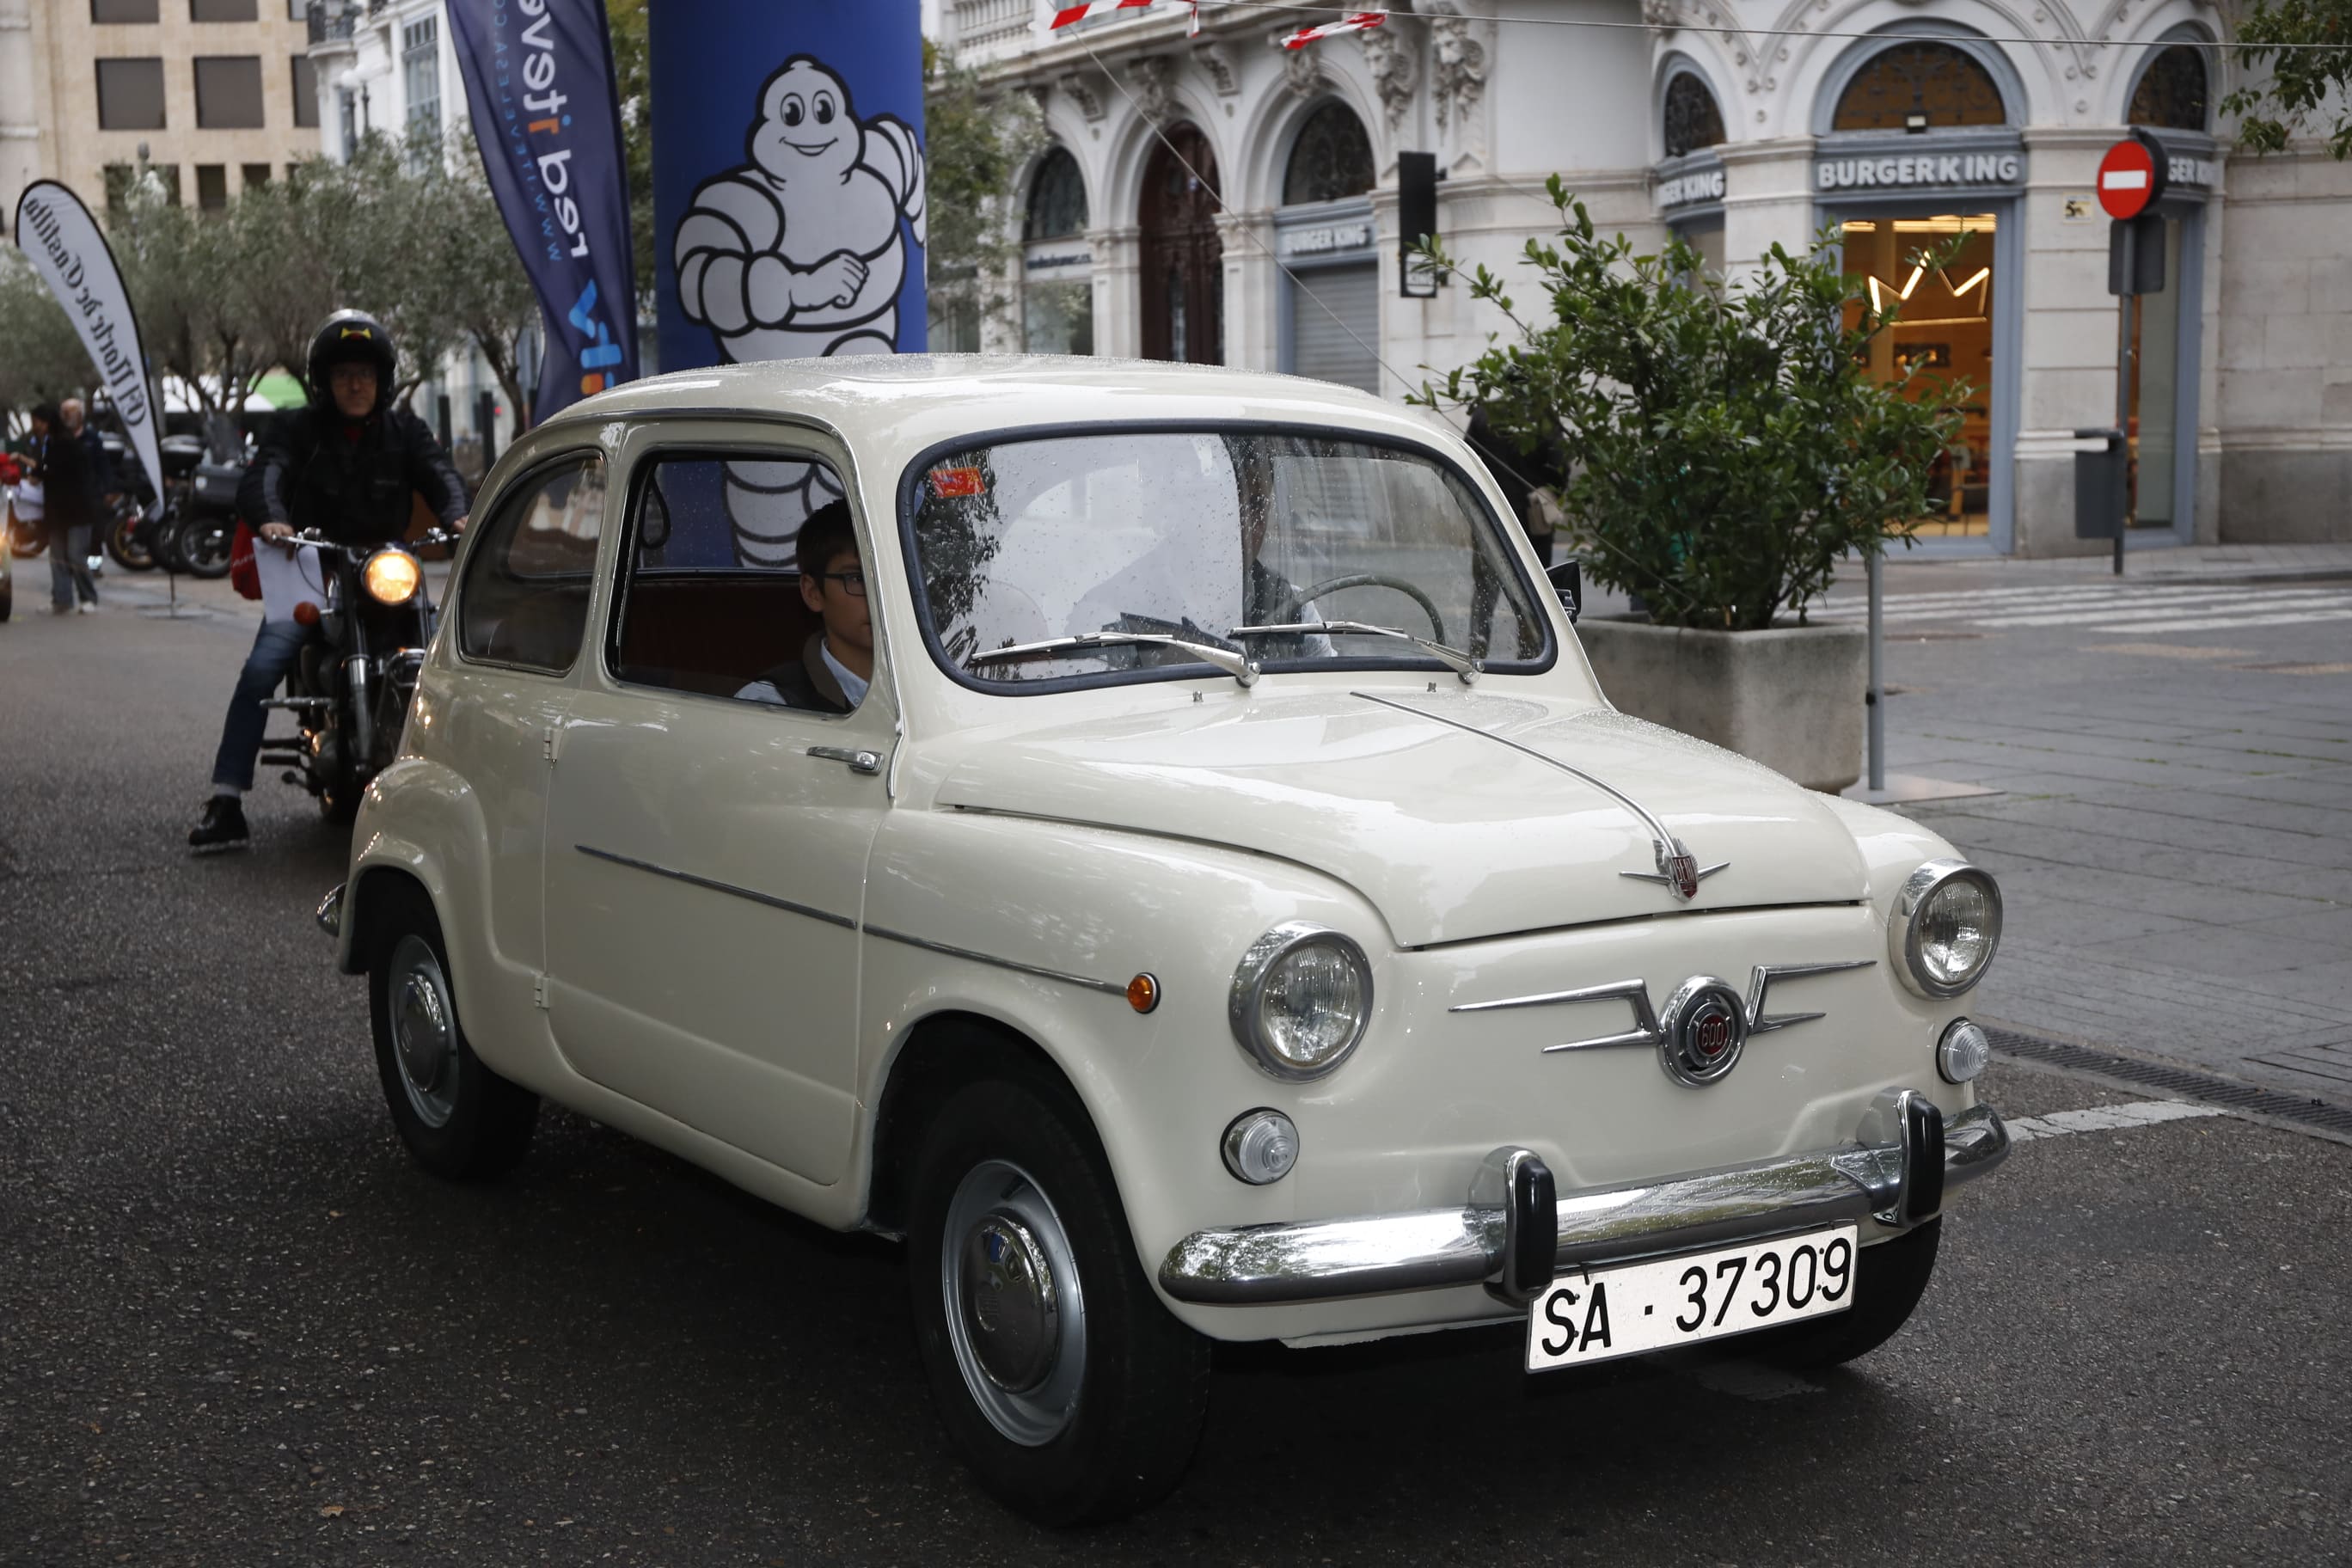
(488, 712)
(706, 845)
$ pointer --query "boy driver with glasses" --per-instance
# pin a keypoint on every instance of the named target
(834, 665)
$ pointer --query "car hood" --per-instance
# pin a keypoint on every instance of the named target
(1452, 835)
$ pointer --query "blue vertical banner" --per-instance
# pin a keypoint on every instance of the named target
(789, 201)
(538, 80)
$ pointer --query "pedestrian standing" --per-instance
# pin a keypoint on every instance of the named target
(72, 482)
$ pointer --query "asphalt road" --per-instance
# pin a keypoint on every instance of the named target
(237, 1326)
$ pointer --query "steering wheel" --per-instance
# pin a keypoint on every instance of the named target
(1288, 613)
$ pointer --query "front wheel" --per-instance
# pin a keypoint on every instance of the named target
(1070, 1391)
(458, 1117)
(125, 544)
(1889, 1279)
(204, 547)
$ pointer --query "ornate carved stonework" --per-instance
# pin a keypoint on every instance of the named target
(1394, 61)
(1217, 62)
(1083, 92)
(1152, 80)
(1302, 69)
(1458, 70)
(1660, 14)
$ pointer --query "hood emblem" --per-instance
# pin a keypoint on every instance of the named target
(1678, 868)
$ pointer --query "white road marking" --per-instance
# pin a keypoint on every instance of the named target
(2230, 622)
(2058, 611)
(2105, 1119)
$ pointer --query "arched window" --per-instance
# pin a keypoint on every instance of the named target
(1693, 121)
(1920, 87)
(1057, 198)
(1332, 158)
(2173, 91)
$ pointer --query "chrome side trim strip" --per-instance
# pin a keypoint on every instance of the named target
(1111, 987)
(718, 887)
(1382, 1254)
(1757, 1023)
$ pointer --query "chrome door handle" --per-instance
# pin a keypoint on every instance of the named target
(860, 761)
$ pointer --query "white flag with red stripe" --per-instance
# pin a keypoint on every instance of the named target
(1070, 13)
(1355, 23)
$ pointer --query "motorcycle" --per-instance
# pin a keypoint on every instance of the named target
(350, 692)
(197, 527)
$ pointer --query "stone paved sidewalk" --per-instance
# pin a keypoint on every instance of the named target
(2173, 832)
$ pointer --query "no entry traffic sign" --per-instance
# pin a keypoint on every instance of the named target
(2131, 178)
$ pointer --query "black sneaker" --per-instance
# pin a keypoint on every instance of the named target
(223, 826)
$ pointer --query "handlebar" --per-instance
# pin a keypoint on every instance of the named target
(436, 535)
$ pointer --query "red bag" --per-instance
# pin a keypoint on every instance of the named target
(244, 575)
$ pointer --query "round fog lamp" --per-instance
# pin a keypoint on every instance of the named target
(391, 576)
(1261, 1146)
(1963, 1053)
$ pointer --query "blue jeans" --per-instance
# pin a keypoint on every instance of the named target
(70, 566)
(277, 648)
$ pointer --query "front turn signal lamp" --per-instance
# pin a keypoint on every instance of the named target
(392, 576)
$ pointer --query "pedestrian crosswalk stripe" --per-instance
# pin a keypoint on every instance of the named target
(2231, 622)
(2109, 609)
(2105, 1119)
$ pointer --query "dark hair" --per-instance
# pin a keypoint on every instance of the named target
(824, 535)
(46, 413)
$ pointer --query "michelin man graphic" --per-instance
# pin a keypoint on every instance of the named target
(796, 254)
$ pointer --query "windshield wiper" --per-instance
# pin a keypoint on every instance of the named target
(1453, 658)
(1241, 668)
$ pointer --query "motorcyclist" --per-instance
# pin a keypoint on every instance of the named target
(346, 464)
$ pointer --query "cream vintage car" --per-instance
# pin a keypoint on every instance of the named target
(1230, 910)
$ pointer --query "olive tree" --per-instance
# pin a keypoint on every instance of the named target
(1718, 444)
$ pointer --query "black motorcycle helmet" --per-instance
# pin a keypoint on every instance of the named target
(349, 335)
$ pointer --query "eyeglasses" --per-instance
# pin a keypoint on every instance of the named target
(852, 583)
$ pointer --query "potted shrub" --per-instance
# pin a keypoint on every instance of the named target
(1717, 446)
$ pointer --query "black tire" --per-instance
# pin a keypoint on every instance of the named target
(1889, 1279)
(7, 598)
(1109, 1426)
(123, 544)
(163, 544)
(458, 1119)
(205, 545)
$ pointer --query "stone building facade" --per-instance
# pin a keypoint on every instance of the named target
(1218, 196)
(216, 92)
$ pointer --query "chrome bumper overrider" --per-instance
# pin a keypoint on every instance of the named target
(330, 910)
(1513, 1234)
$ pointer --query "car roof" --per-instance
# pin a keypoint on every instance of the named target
(920, 399)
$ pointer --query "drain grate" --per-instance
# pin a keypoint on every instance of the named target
(2302, 1109)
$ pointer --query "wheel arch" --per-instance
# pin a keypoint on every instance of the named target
(944, 1052)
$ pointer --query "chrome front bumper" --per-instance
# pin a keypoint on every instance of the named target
(1513, 1234)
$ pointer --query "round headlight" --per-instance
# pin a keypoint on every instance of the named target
(1946, 925)
(391, 576)
(1301, 999)
(1963, 1053)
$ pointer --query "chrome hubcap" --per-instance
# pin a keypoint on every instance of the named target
(1016, 1313)
(424, 1031)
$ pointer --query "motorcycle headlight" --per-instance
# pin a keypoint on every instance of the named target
(1945, 927)
(391, 576)
(1302, 997)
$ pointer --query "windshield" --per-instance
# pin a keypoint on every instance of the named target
(1196, 534)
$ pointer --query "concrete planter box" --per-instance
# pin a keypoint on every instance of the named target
(1791, 698)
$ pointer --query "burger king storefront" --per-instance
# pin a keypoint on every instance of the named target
(1983, 235)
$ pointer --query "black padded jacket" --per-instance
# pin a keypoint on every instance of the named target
(350, 479)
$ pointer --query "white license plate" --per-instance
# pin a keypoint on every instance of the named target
(1644, 1307)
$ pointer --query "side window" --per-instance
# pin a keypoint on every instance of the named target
(525, 597)
(713, 597)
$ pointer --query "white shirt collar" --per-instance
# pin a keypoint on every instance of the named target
(852, 687)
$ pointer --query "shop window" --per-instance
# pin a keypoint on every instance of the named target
(1920, 87)
(1184, 271)
(1940, 348)
(131, 95)
(212, 188)
(2173, 92)
(306, 92)
(228, 92)
(1057, 198)
(1331, 158)
(223, 10)
(1693, 120)
(115, 13)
